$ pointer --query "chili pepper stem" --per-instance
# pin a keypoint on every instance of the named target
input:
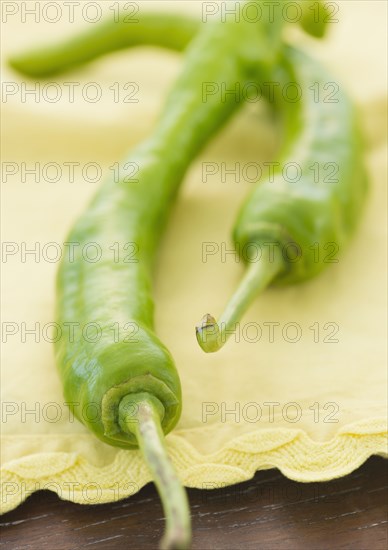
(141, 415)
(211, 336)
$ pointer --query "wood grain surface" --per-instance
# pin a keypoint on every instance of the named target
(268, 512)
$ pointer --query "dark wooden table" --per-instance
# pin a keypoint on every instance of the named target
(268, 512)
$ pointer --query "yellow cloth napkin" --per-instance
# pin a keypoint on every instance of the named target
(314, 409)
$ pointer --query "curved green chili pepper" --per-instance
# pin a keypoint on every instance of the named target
(156, 29)
(295, 216)
(136, 212)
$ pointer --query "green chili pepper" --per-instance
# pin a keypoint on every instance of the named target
(156, 29)
(285, 220)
